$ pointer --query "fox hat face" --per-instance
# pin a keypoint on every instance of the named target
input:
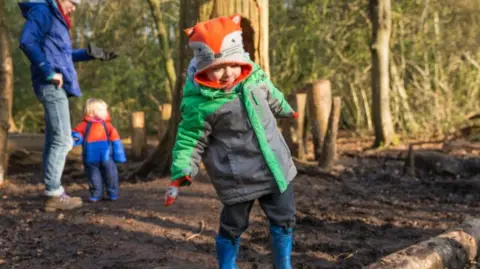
(218, 41)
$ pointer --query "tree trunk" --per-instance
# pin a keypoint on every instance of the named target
(329, 151)
(406, 112)
(380, 15)
(3, 139)
(166, 52)
(356, 102)
(161, 158)
(6, 92)
(301, 109)
(453, 250)
(205, 8)
(254, 25)
(294, 131)
(6, 66)
(320, 103)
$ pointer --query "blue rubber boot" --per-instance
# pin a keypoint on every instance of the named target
(227, 251)
(282, 241)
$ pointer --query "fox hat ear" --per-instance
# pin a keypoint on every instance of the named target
(189, 31)
(236, 18)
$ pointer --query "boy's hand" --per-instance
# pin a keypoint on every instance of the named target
(172, 191)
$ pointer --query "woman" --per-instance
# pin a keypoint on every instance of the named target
(47, 43)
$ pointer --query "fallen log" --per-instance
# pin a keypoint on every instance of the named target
(444, 164)
(377, 157)
(472, 165)
(460, 144)
(454, 249)
(471, 185)
(28, 141)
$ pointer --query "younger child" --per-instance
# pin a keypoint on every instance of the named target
(228, 119)
(102, 147)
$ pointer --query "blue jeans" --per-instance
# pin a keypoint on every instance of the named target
(100, 174)
(58, 138)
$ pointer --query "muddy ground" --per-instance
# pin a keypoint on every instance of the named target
(373, 211)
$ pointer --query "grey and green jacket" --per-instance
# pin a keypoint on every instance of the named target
(237, 137)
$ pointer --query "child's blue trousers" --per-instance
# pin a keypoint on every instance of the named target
(102, 174)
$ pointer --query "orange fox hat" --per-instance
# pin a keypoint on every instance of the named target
(218, 41)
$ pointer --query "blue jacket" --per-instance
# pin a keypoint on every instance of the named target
(100, 141)
(46, 41)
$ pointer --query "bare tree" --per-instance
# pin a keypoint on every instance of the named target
(6, 91)
(160, 159)
(166, 52)
(380, 15)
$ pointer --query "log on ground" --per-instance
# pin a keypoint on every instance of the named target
(444, 164)
(28, 141)
(454, 249)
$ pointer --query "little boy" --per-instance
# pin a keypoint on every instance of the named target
(228, 119)
(102, 147)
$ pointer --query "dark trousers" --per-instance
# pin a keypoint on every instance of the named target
(279, 208)
(102, 174)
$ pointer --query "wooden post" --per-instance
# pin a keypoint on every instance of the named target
(139, 135)
(319, 103)
(165, 115)
(287, 126)
(329, 150)
(305, 131)
(409, 167)
(301, 106)
(453, 249)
